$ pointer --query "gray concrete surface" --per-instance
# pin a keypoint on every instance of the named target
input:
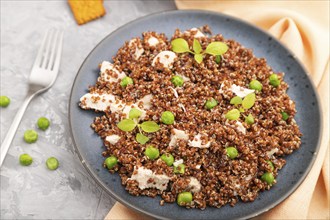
(35, 192)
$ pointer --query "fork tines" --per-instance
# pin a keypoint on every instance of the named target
(50, 51)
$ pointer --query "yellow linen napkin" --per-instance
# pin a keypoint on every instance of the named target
(303, 26)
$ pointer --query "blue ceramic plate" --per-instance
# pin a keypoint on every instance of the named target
(89, 146)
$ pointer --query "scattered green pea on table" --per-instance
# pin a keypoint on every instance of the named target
(184, 198)
(52, 163)
(30, 136)
(167, 117)
(4, 101)
(43, 123)
(25, 160)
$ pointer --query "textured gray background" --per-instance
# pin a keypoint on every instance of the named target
(34, 192)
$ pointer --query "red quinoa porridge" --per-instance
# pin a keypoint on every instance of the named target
(218, 158)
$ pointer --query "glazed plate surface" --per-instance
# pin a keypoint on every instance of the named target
(89, 146)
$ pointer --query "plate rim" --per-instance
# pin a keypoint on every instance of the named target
(196, 11)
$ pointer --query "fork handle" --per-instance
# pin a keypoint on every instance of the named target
(13, 128)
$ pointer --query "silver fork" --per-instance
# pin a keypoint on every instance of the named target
(42, 77)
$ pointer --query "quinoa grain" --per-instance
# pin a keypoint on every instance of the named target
(223, 180)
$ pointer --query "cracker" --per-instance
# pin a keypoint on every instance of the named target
(86, 10)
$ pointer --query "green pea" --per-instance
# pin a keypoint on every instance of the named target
(232, 152)
(151, 152)
(271, 164)
(126, 81)
(30, 136)
(179, 169)
(177, 81)
(43, 123)
(167, 118)
(25, 159)
(184, 198)
(249, 119)
(110, 162)
(285, 116)
(273, 80)
(168, 159)
(52, 163)
(268, 178)
(4, 101)
(256, 85)
(236, 100)
(209, 104)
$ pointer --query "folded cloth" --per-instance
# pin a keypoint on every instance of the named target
(303, 26)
